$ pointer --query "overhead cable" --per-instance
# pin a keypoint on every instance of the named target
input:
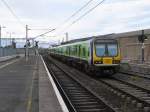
(90, 10)
(68, 19)
(74, 14)
(44, 33)
(12, 12)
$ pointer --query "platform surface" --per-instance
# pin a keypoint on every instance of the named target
(48, 101)
(25, 87)
(5, 58)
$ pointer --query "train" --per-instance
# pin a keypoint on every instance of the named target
(96, 55)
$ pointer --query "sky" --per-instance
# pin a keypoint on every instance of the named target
(112, 16)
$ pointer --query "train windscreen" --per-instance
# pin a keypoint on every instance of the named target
(112, 49)
(100, 49)
(106, 48)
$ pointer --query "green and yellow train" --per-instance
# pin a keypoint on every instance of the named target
(97, 54)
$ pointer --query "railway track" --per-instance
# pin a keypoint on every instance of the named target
(134, 92)
(135, 81)
(76, 96)
(131, 97)
(136, 74)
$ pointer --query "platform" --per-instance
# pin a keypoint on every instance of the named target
(49, 97)
(25, 87)
(6, 58)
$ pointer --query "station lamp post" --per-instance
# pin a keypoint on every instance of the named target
(1, 35)
(67, 37)
(141, 39)
(10, 35)
(26, 51)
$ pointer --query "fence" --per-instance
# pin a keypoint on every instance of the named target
(15, 51)
(7, 52)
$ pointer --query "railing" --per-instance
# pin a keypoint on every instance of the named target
(16, 51)
(7, 52)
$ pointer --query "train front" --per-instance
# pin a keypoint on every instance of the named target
(106, 55)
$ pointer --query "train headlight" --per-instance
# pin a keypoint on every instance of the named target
(116, 61)
(97, 62)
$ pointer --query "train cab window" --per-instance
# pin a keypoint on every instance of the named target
(100, 49)
(112, 49)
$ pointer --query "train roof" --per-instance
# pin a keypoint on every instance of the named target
(108, 36)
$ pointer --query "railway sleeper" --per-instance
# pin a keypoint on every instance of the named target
(90, 106)
(93, 110)
(82, 100)
(81, 97)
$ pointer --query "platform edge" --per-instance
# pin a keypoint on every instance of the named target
(59, 97)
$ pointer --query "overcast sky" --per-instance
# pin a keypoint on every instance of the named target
(110, 17)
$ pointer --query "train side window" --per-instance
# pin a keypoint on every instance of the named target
(79, 51)
(69, 51)
(73, 50)
(66, 53)
(61, 50)
(84, 52)
(76, 50)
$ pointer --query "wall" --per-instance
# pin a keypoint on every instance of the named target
(131, 48)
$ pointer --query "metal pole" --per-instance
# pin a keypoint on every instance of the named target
(26, 53)
(0, 40)
(66, 36)
(10, 39)
(143, 46)
(0, 36)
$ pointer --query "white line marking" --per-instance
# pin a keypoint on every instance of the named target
(8, 63)
(59, 97)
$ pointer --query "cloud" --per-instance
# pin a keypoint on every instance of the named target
(115, 17)
(112, 16)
